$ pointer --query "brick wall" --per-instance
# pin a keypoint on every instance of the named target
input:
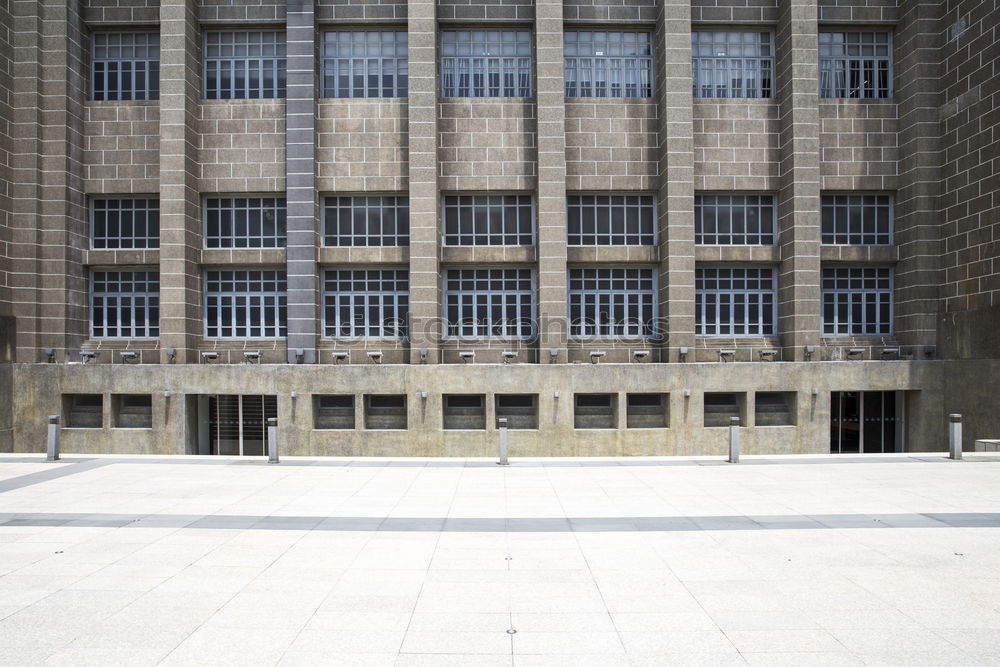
(361, 146)
(858, 144)
(610, 10)
(487, 144)
(242, 145)
(734, 11)
(611, 144)
(510, 10)
(121, 147)
(736, 145)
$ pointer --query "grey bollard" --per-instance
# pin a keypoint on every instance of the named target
(502, 422)
(955, 436)
(53, 451)
(272, 440)
(734, 439)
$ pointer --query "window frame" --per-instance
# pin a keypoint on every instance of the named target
(403, 327)
(280, 306)
(890, 292)
(889, 234)
(699, 208)
(618, 327)
(609, 61)
(400, 91)
(454, 91)
(504, 235)
(279, 67)
(446, 294)
(400, 207)
(759, 73)
(94, 295)
(830, 92)
(279, 237)
(769, 329)
(151, 92)
(152, 205)
(653, 234)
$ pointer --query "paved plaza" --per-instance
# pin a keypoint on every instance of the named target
(777, 560)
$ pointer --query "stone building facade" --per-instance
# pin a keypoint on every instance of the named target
(389, 224)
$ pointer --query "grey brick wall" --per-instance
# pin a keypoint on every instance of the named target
(121, 147)
(361, 145)
(486, 144)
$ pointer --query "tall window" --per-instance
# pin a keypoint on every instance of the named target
(857, 219)
(610, 220)
(366, 303)
(125, 223)
(245, 222)
(608, 64)
(365, 64)
(366, 221)
(488, 220)
(245, 303)
(734, 219)
(489, 303)
(124, 304)
(244, 65)
(486, 63)
(735, 301)
(612, 302)
(857, 301)
(126, 66)
(728, 63)
(855, 64)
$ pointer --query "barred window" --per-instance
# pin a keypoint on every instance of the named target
(488, 220)
(489, 303)
(245, 222)
(244, 65)
(246, 303)
(366, 221)
(855, 64)
(735, 301)
(126, 66)
(728, 63)
(857, 219)
(124, 304)
(857, 301)
(366, 303)
(486, 63)
(125, 223)
(365, 64)
(611, 302)
(734, 219)
(610, 220)
(608, 64)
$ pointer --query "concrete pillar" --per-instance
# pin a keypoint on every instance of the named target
(300, 179)
(955, 436)
(425, 290)
(797, 70)
(180, 217)
(53, 439)
(734, 440)
(675, 197)
(551, 141)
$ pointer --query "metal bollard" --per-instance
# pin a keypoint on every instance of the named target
(503, 441)
(272, 440)
(53, 451)
(734, 439)
(955, 436)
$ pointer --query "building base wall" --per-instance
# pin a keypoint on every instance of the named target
(39, 391)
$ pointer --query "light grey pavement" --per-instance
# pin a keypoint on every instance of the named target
(774, 561)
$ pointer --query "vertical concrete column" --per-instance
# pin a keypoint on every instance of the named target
(180, 218)
(551, 238)
(917, 68)
(799, 197)
(425, 290)
(300, 180)
(675, 198)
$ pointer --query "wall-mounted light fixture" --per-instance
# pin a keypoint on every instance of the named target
(727, 355)
(375, 356)
(768, 355)
(167, 394)
(300, 355)
(89, 355)
(251, 357)
(468, 356)
(687, 393)
(889, 352)
(815, 391)
(855, 352)
(50, 355)
(422, 395)
(171, 353)
(682, 354)
(596, 355)
(209, 356)
(341, 356)
(553, 354)
(555, 394)
(129, 356)
(809, 351)
(423, 355)
(507, 355)
(639, 355)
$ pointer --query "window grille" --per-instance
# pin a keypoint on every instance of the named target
(365, 64)
(125, 223)
(734, 219)
(488, 220)
(608, 64)
(728, 63)
(245, 222)
(489, 303)
(246, 303)
(611, 302)
(366, 303)
(857, 219)
(855, 64)
(610, 220)
(366, 221)
(857, 301)
(124, 304)
(244, 65)
(486, 63)
(735, 301)
(126, 66)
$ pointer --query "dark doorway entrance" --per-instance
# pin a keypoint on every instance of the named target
(237, 424)
(864, 422)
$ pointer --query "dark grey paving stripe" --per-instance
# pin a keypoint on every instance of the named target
(68, 467)
(519, 524)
